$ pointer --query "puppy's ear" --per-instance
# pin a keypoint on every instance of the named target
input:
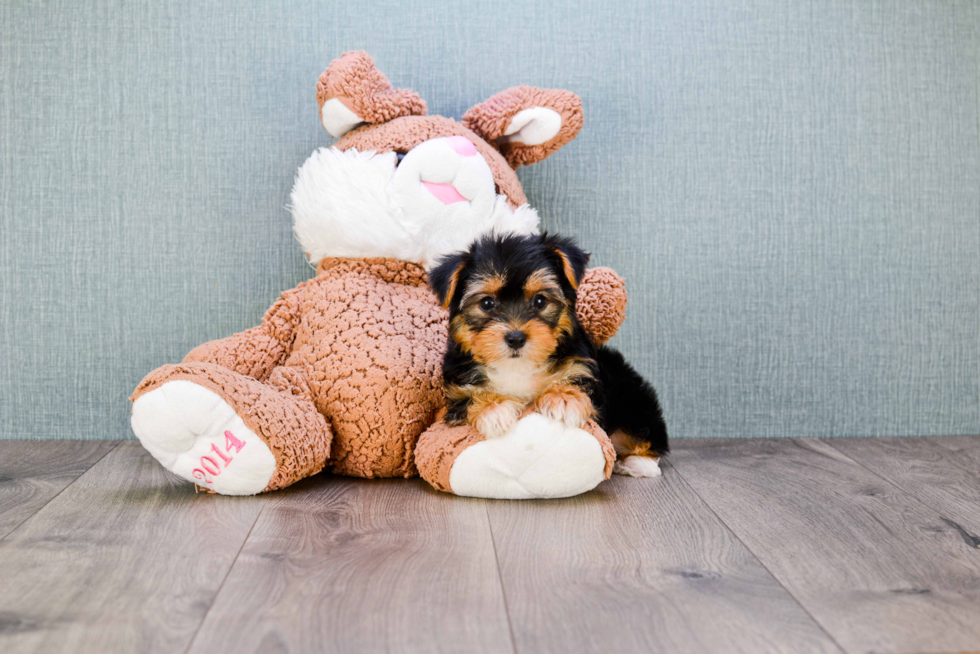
(569, 258)
(444, 278)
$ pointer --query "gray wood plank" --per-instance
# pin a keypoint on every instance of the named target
(942, 477)
(349, 565)
(32, 472)
(967, 448)
(879, 570)
(126, 559)
(640, 566)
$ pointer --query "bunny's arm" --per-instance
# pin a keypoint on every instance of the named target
(601, 305)
(256, 351)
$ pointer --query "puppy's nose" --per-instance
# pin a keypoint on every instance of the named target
(515, 339)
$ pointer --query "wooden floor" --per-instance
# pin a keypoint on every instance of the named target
(742, 546)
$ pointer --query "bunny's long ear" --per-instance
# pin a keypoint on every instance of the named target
(527, 123)
(352, 91)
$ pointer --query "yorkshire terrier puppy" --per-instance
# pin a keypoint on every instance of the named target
(515, 341)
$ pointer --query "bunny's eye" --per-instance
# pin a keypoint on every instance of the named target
(487, 304)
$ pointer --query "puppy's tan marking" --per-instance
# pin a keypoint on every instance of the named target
(483, 285)
(626, 445)
(541, 341)
(461, 333)
(565, 323)
(570, 370)
(488, 344)
(541, 281)
(567, 268)
(633, 457)
(453, 282)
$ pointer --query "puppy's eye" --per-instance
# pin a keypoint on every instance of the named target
(487, 304)
(539, 302)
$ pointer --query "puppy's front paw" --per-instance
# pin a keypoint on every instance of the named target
(496, 418)
(567, 404)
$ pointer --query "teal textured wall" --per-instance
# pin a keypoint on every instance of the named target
(792, 190)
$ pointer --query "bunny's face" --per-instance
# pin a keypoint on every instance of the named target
(404, 185)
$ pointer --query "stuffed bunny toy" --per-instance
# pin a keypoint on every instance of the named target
(344, 372)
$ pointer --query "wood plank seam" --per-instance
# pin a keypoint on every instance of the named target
(754, 555)
(864, 555)
(394, 566)
(640, 565)
(67, 486)
(887, 480)
(129, 558)
(217, 592)
(970, 539)
(500, 578)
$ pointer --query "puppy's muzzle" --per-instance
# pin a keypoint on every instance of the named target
(515, 339)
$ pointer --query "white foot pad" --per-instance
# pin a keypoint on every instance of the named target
(637, 466)
(195, 434)
(538, 458)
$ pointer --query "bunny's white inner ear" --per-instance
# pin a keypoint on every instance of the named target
(337, 118)
(532, 126)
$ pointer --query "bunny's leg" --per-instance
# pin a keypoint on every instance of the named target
(230, 433)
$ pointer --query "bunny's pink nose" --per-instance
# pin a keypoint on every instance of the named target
(462, 146)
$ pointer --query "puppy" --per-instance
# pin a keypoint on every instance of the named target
(515, 341)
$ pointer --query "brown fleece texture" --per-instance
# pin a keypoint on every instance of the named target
(440, 446)
(353, 79)
(372, 339)
(438, 449)
(256, 352)
(601, 306)
(491, 117)
(403, 134)
(608, 450)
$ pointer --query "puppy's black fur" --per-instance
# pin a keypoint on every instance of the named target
(622, 399)
(630, 403)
